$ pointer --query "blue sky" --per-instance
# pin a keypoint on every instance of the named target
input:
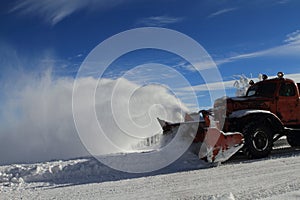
(243, 37)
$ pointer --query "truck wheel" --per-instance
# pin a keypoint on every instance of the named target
(258, 140)
(293, 139)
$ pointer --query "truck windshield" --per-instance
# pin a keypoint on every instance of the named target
(262, 90)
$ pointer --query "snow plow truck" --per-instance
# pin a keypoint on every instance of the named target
(251, 123)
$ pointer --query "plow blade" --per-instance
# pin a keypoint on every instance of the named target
(219, 146)
(210, 144)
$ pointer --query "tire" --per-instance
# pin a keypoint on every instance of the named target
(293, 139)
(258, 140)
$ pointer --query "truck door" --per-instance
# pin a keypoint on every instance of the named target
(288, 108)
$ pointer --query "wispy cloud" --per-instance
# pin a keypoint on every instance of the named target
(228, 84)
(293, 37)
(159, 20)
(221, 12)
(282, 1)
(54, 11)
(290, 47)
(210, 86)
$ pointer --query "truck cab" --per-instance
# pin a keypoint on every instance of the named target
(269, 110)
(281, 97)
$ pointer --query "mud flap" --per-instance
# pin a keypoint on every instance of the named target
(219, 146)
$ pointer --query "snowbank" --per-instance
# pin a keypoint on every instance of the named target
(276, 177)
(86, 170)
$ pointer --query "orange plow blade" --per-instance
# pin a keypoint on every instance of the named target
(219, 146)
(212, 145)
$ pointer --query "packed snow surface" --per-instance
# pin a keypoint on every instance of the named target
(276, 177)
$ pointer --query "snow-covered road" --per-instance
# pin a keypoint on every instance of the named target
(277, 177)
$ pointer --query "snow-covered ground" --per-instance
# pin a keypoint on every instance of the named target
(277, 177)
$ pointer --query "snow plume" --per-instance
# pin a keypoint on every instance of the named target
(242, 84)
(125, 113)
(36, 121)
